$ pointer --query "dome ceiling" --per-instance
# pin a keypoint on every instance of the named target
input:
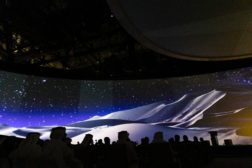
(84, 40)
(190, 29)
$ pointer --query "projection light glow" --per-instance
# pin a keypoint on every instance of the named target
(191, 105)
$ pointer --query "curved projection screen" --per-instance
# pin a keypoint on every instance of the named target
(189, 29)
(191, 105)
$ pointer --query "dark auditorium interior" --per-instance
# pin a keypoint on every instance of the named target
(125, 84)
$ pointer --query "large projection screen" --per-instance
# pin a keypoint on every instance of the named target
(190, 106)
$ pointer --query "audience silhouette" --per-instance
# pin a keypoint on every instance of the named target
(58, 152)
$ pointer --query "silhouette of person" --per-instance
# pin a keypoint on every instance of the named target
(28, 154)
(195, 140)
(56, 152)
(100, 142)
(177, 138)
(123, 139)
(158, 138)
(186, 139)
(171, 140)
(107, 141)
(145, 141)
(87, 140)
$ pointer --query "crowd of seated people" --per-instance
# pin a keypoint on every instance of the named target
(58, 152)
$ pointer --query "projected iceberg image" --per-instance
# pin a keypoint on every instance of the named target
(195, 114)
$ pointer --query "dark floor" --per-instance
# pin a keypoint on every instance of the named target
(242, 162)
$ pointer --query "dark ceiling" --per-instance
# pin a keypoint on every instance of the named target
(83, 40)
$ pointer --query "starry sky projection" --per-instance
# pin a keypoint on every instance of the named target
(37, 101)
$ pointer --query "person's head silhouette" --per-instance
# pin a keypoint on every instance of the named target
(58, 133)
(177, 138)
(32, 138)
(185, 138)
(88, 140)
(158, 137)
(123, 136)
(107, 141)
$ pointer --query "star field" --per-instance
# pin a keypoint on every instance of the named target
(37, 101)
